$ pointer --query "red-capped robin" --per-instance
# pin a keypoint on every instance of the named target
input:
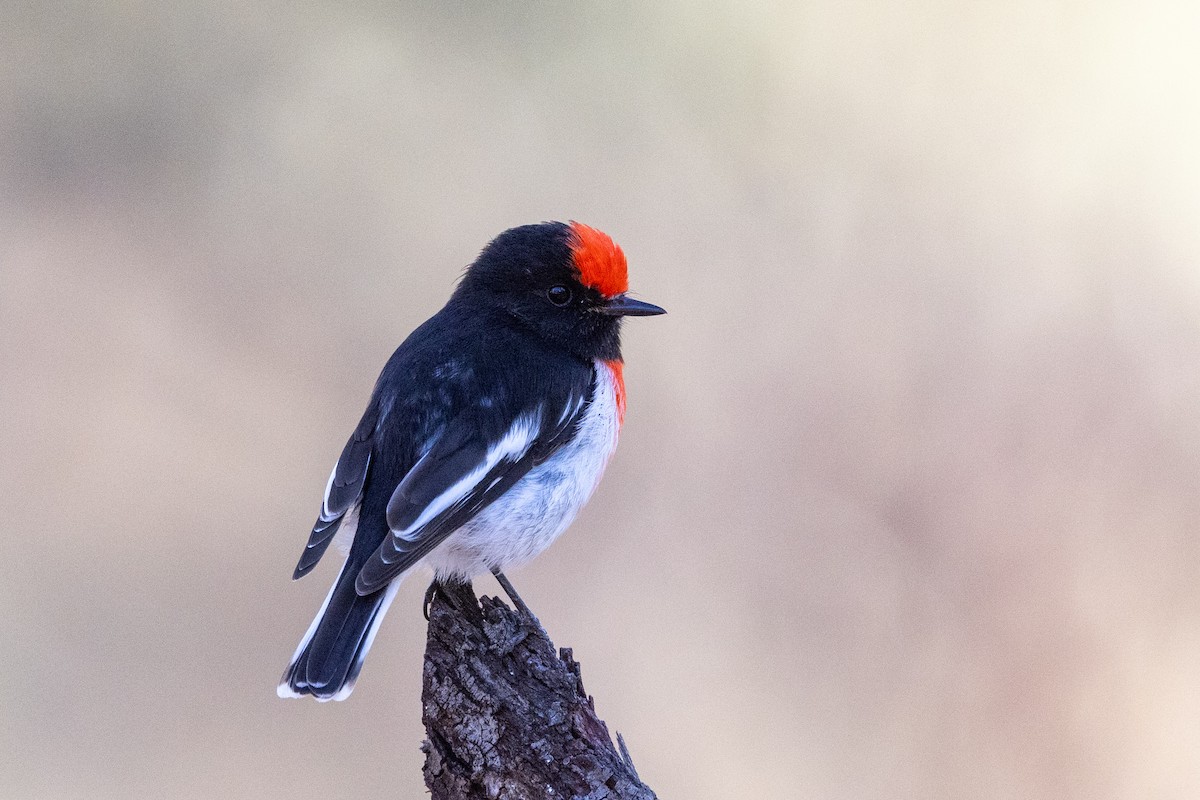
(487, 431)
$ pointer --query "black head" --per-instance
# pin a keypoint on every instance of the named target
(566, 282)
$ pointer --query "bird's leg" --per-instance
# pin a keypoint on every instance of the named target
(512, 594)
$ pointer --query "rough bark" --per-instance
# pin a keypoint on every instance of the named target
(506, 718)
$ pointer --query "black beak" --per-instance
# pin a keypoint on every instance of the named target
(625, 306)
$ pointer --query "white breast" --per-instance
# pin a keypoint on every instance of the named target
(540, 506)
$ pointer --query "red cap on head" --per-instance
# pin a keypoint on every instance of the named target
(600, 262)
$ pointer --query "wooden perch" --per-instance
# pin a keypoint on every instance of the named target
(507, 719)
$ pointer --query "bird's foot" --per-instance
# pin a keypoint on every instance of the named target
(458, 594)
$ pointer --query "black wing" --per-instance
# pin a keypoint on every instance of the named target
(341, 493)
(459, 477)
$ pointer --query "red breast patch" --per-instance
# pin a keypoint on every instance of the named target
(600, 262)
(617, 367)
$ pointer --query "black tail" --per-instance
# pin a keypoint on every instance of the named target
(330, 655)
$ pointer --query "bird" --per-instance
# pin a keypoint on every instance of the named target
(487, 431)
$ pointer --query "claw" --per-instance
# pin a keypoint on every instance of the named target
(434, 586)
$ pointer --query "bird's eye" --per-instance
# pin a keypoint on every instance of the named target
(559, 295)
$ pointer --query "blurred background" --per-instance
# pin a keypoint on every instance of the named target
(906, 504)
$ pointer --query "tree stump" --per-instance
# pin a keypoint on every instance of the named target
(506, 718)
